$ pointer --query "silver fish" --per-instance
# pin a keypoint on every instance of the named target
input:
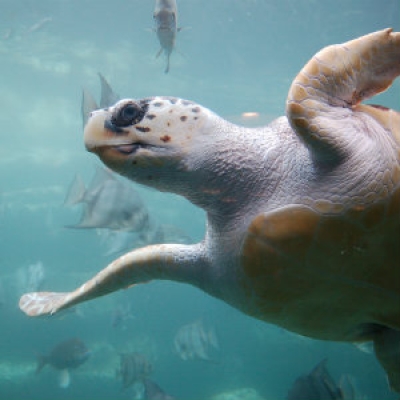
(153, 392)
(134, 367)
(109, 203)
(119, 242)
(194, 341)
(120, 315)
(39, 25)
(36, 276)
(318, 385)
(31, 277)
(165, 17)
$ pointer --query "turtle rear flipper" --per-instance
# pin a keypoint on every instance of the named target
(324, 95)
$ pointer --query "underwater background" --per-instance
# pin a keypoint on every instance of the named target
(232, 56)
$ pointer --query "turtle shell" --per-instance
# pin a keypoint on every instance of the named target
(326, 275)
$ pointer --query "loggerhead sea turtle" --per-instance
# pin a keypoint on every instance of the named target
(303, 215)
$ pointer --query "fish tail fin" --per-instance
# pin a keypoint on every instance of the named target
(167, 67)
(41, 362)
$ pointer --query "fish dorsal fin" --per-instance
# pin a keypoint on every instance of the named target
(321, 373)
(320, 369)
(102, 175)
(89, 104)
(107, 96)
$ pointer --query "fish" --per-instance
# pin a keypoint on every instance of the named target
(8, 34)
(36, 276)
(194, 341)
(318, 385)
(165, 18)
(134, 367)
(109, 202)
(39, 25)
(119, 242)
(107, 98)
(120, 315)
(66, 355)
(153, 392)
(31, 277)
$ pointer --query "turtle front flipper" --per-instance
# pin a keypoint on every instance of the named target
(167, 261)
(328, 89)
(43, 303)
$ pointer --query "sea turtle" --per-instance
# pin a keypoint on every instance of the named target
(303, 215)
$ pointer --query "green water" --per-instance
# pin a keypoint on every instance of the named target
(232, 56)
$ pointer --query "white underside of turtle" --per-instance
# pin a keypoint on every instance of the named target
(303, 215)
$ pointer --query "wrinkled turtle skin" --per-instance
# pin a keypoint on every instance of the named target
(303, 215)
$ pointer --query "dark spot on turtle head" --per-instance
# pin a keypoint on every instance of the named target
(150, 116)
(158, 104)
(168, 123)
(173, 101)
(183, 118)
(143, 129)
(196, 109)
(165, 138)
(195, 118)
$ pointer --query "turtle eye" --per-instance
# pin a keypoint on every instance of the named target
(128, 114)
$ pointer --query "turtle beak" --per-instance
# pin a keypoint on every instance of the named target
(100, 132)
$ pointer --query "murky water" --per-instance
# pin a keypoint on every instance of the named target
(232, 56)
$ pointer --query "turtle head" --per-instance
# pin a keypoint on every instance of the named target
(147, 140)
